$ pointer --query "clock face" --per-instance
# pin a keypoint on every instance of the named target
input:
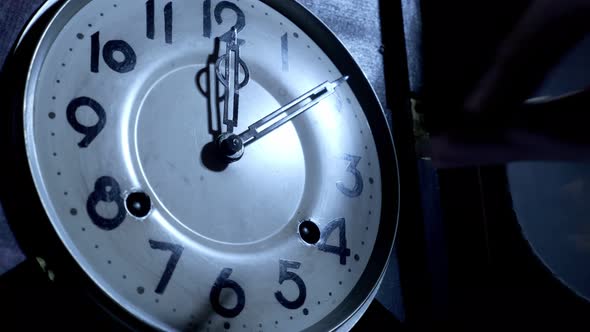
(123, 103)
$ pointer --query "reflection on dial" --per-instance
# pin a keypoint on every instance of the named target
(168, 154)
(218, 249)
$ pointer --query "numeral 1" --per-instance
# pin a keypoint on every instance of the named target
(150, 20)
(285, 51)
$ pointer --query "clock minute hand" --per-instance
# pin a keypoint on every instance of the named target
(288, 112)
(231, 146)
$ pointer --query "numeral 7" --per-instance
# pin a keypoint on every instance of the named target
(174, 258)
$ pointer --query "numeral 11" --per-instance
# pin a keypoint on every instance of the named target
(150, 20)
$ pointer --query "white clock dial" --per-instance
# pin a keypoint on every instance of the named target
(122, 107)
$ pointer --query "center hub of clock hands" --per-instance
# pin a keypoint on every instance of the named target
(231, 147)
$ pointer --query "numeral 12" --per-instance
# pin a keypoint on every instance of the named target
(222, 6)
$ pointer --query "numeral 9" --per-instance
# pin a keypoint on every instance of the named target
(89, 132)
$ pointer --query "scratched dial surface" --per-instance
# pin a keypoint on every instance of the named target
(123, 101)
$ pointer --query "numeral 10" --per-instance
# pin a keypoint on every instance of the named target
(108, 54)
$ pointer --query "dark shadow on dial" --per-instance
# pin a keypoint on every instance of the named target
(208, 85)
(208, 319)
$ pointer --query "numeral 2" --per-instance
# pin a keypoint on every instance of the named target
(171, 265)
(340, 250)
(108, 53)
(150, 11)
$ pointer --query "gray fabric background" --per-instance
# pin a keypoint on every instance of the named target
(13, 16)
(355, 22)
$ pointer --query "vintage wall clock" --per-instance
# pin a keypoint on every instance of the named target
(202, 164)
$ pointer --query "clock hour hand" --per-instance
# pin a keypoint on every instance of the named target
(230, 77)
(232, 146)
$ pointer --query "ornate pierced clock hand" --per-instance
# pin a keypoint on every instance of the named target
(230, 77)
(232, 146)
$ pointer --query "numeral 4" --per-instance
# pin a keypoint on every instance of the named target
(340, 250)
